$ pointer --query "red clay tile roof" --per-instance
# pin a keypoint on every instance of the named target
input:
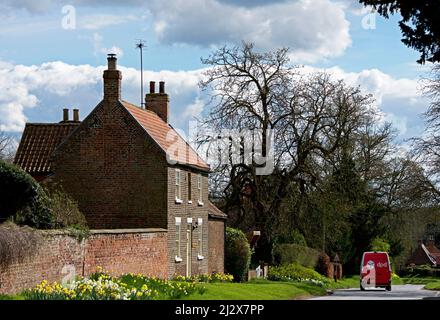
(166, 137)
(432, 248)
(436, 256)
(38, 142)
(215, 212)
(421, 256)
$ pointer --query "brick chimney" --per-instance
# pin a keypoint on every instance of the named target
(431, 245)
(76, 115)
(112, 80)
(65, 115)
(158, 102)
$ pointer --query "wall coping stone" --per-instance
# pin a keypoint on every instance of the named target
(105, 231)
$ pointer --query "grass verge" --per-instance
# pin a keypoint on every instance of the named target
(345, 283)
(11, 297)
(258, 290)
(435, 285)
(270, 290)
(419, 280)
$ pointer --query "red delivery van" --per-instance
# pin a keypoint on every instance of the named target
(375, 271)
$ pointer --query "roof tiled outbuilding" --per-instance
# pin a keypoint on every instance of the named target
(38, 142)
(422, 255)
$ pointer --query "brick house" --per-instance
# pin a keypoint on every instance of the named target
(128, 168)
(425, 255)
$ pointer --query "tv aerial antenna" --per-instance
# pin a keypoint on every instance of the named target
(140, 44)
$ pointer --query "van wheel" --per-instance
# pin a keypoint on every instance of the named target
(388, 288)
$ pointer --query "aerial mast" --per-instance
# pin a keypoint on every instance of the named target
(140, 45)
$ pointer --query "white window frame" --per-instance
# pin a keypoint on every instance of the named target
(199, 190)
(189, 184)
(178, 257)
(178, 186)
(200, 227)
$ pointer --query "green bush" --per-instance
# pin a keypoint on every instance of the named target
(22, 199)
(294, 237)
(294, 272)
(65, 211)
(379, 244)
(420, 271)
(237, 254)
(287, 253)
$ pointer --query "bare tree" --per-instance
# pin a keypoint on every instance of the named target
(311, 118)
(7, 147)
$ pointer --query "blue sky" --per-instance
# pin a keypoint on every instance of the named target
(37, 52)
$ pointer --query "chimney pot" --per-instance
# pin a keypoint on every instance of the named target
(75, 115)
(65, 114)
(152, 86)
(431, 242)
(162, 87)
(111, 61)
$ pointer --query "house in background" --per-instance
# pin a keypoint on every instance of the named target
(425, 255)
(128, 168)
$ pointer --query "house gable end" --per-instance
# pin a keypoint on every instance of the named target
(114, 171)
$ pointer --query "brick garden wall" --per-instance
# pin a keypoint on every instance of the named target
(117, 251)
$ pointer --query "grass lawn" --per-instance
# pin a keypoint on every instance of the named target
(431, 283)
(435, 285)
(254, 290)
(11, 297)
(345, 283)
(257, 290)
(269, 290)
(420, 280)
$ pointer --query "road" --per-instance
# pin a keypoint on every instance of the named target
(399, 292)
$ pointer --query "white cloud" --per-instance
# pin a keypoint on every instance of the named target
(398, 99)
(98, 47)
(355, 7)
(194, 110)
(22, 85)
(313, 30)
(39, 92)
(98, 21)
(379, 83)
(43, 6)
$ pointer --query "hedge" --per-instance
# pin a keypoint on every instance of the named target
(294, 272)
(23, 199)
(237, 254)
(421, 271)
